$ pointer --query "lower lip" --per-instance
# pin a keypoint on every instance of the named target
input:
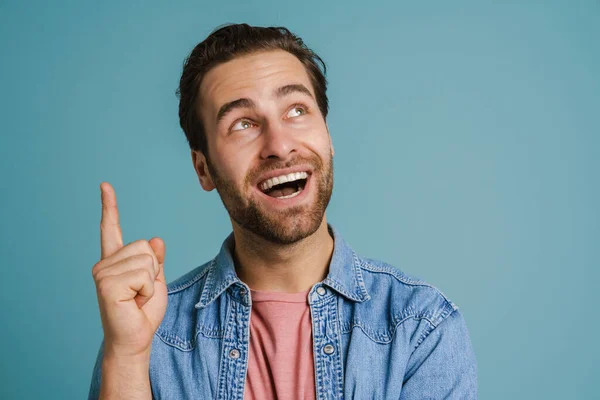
(289, 201)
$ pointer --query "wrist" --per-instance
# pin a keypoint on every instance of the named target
(125, 378)
(125, 356)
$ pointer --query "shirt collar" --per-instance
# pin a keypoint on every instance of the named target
(344, 276)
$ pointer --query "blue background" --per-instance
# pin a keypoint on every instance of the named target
(467, 154)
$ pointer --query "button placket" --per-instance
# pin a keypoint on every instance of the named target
(234, 346)
(326, 339)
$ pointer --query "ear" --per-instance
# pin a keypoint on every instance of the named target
(201, 168)
(330, 141)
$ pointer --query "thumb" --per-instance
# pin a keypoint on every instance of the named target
(158, 246)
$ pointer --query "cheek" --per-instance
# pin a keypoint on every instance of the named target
(234, 169)
(319, 143)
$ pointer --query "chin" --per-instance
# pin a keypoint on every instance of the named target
(289, 235)
(283, 229)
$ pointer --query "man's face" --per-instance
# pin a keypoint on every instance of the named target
(262, 121)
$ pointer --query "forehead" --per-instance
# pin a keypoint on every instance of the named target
(251, 75)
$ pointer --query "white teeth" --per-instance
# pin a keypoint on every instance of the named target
(294, 176)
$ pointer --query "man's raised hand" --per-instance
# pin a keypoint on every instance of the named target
(130, 284)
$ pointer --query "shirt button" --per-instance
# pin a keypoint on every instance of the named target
(321, 291)
(328, 349)
(242, 292)
(235, 353)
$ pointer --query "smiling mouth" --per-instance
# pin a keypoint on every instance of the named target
(285, 186)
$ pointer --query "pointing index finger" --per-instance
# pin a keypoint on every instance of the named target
(111, 238)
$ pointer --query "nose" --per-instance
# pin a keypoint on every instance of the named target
(277, 142)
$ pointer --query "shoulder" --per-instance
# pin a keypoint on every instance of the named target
(185, 291)
(404, 295)
(189, 279)
(179, 325)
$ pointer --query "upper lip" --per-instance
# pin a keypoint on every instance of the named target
(279, 172)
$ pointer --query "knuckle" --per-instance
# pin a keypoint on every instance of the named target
(99, 275)
(96, 269)
(150, 279)
(144, 274)
(103, 286)
(143, 244)
(143, 247)
(146, 259)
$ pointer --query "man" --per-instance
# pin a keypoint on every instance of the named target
(286, 309)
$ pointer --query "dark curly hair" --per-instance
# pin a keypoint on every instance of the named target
(224, 44)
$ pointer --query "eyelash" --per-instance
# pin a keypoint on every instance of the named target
(297, 105)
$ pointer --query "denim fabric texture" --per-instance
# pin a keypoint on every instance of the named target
(377, 334)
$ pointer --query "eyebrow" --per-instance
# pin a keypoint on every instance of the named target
(247, 103)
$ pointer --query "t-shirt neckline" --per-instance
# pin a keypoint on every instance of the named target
(281, 297)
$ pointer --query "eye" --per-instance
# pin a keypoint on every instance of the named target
(241, 125)
(297, 110)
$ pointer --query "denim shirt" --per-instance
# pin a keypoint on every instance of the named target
(377, 334)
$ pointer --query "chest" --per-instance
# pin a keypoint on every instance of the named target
(354, 354)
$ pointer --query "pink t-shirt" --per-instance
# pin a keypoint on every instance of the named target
(280, 364)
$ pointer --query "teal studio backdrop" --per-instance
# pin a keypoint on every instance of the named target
(467, 154)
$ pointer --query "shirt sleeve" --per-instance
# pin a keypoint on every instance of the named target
(94, 392)
(443, 366)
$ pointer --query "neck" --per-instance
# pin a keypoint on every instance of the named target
(266, 266)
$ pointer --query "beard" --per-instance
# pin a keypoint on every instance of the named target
(277, 226)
